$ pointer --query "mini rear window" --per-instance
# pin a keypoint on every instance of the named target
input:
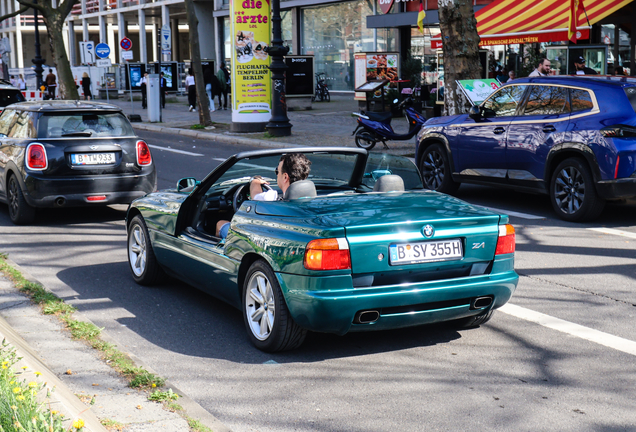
(631, 95)
(82, 125)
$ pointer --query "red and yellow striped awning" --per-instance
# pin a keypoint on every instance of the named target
(526, 21)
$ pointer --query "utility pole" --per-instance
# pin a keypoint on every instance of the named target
(279, 124)
(38, 61)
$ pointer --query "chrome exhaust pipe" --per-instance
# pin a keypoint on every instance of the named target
(481, 302)
(60, 201)
(367, 317)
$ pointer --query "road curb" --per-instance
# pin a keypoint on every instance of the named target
(76, 408)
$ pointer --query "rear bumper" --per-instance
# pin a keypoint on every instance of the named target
(619, 188)
(74, 191)
(329, 304)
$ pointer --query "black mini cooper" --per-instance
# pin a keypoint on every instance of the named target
(70, 153)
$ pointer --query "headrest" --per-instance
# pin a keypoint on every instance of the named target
(300, 189)
(389, 183)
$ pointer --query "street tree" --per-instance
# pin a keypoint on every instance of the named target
(460, 45)
(53, 17)
(203, 103)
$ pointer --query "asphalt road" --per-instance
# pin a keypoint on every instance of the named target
(561, 357)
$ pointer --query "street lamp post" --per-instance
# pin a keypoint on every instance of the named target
(279, 122)
(38, 61)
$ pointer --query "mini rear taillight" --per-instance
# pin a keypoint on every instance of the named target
(506, 240)
(143, 154)
(35, 158)
(328, 254)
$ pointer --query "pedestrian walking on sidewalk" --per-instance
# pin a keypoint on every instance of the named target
(86, 86)
(192, 90)
(51, 84)
(143, 83)
(207, 79)
(223, 75)
(163, 84)
(543, 69)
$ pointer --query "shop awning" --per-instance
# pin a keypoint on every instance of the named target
(527, 21)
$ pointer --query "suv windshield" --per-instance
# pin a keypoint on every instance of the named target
(61, 125)
(8, 96)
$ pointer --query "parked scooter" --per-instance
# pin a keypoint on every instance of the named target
(375, 127)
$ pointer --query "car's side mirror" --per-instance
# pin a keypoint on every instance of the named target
(475, 112)
(186, 182)
(489, 113)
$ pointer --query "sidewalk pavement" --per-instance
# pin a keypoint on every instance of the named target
(326, 124)
(84, 385)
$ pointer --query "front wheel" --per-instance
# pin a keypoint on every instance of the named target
(318, 95)
(141, 257)
(365, 139)
(572, 192)
(436, 172)
(20, 212)
(269, 324)
(326, 94)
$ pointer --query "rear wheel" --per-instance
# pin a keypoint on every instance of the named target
(20, 212)
(364, 139)
(269, 325)
(572, 191)
(436, 172)
(326, 94)
(141, 257)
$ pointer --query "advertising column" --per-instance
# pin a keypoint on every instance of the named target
(251, 79)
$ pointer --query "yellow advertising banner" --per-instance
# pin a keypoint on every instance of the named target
(251, 80)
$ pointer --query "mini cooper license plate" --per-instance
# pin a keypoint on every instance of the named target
(92, 158)
(412, 253)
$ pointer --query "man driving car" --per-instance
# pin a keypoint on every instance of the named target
(292, 167)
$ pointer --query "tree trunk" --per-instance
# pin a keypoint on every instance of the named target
(203, 103)
(67, 89)
(460, 44)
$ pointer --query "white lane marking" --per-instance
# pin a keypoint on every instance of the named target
(599, 337)
(614, 231)
(515, 214)
(175, 150)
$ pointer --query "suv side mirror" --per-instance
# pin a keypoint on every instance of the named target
(186, 182)
(475, 113)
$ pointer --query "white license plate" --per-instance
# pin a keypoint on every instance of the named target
(93, 159)
(411, 253)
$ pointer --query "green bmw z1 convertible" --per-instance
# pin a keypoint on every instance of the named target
(359, 245)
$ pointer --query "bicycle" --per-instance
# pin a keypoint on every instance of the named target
(322, 91)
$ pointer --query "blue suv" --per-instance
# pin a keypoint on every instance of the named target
(573, 138)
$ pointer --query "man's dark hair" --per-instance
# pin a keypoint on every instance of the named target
(222, 64)
(50, 70)
(543, 60)
(296, 165)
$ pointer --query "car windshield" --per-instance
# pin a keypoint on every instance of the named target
(379, 164)
(8, 97)
(62, 125)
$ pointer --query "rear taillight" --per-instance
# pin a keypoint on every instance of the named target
(143, 154)
(327, 254)
(35, 158)
(506, 240)
(618, 131)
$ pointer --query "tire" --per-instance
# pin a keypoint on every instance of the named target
(572, 192)
(267, 320)
(326, 94)
(318, 95)
(141, 258)
(364, 139)
(20, 212)
(474, 321)
(436, 172)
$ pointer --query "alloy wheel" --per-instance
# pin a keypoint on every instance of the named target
(433, 170)
(14, 197)
(260, 306)
(569, 190)
(137, 252)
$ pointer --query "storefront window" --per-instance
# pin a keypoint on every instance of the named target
(334, 32)
(421, 49)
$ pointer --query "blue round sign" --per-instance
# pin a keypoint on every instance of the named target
(102, 50)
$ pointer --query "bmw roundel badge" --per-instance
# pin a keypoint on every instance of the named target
(428, 231)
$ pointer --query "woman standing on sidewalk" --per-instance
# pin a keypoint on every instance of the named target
(86, 86)
(192, 90)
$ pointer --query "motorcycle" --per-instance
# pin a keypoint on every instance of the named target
(376, 127)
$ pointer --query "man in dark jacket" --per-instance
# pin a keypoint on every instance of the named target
(581, 69)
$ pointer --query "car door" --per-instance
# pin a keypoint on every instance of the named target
(7, 145)
(481, 145)
(541, 123)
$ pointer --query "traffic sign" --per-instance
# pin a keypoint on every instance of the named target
(87, 52)
(103, 63)
(125, 44)
(102, 50)
(127, 55)
(166, 39)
